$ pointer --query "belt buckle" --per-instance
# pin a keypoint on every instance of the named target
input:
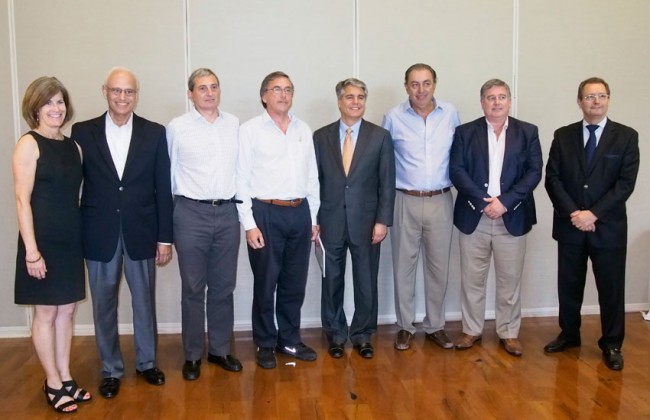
(217, 203)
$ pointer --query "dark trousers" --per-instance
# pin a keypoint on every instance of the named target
(280, 272)
(609, 271)
(365, 267)
(207, 242)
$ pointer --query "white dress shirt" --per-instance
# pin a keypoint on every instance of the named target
(203, 155)
(275, 165)
(497, 147)
(119, 140)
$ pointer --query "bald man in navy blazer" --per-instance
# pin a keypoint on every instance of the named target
(356, 210)
(589, 190)
(495, 164)
(126, 208)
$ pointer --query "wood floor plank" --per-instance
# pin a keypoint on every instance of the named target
(424, 382)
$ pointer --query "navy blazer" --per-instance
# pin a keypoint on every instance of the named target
(367, 195)
(603, 187)
(140, 204)
(520, 174)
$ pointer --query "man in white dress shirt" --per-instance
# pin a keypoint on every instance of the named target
(277, 180)
(203, 150)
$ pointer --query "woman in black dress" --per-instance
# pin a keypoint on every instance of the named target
(49, 263)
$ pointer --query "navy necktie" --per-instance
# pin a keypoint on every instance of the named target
(590, 147)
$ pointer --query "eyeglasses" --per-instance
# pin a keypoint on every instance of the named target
(592, 97)
(119, 91)
(278, 90)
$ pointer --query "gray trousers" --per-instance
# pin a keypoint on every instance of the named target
(104, 281)
(207, 243)
(421, 226)
(476, 250)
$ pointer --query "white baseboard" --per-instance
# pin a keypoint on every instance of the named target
(175, 328)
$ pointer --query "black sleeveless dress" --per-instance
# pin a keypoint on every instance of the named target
(57, 227)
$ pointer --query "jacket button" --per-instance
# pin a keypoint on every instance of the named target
(585, 186)
(485, 185)
(121, 188)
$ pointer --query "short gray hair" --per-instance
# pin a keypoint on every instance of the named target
(340, 86)
(494, 83)
(200, 72)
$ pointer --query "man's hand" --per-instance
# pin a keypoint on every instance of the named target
(494, 209)
(315, 230)
(584, 220)
(163, 254)
(254, 238)
(379, 233)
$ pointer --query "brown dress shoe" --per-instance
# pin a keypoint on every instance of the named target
(466, 341)
(512, 346)
(440, 338)
(402, 340)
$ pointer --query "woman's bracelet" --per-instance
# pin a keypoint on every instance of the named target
(35, 261)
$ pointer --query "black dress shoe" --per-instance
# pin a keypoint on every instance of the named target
(613, 359)
(226, 362)
(561, 343)
(154, 375)
(335, 350)
(192, 370)
(109, 387)
(365, 350)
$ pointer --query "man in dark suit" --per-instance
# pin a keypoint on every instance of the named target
(591, 172)
(126, 209)
(356, 170)
(495, 164)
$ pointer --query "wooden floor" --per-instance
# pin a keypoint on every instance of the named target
(425, 382)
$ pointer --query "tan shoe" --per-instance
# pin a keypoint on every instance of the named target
(402, 340)
(440, 338)
(466, 341)
(512, 346)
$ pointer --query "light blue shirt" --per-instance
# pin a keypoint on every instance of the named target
(422, 146)
(354, 134)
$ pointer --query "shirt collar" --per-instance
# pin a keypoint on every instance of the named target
(343, 128)
(505, 125)
(111, 124)
(409, 107)
(197, 115)
(600, 124)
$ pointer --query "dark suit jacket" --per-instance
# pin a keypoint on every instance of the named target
(140, 204)
(367, 195)
(602, 188)
(521, 172)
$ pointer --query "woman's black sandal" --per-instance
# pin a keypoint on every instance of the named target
(57, 394)
(76, 392)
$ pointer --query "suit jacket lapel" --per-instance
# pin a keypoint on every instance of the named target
(334, 142)
(363, 138)
(483, 146)
(135, 144)
(512, 136)
(102, 144)
(606, 139)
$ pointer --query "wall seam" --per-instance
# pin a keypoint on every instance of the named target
(15, 98)
(515, 58)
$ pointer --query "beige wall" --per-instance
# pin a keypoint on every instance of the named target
(543, 49)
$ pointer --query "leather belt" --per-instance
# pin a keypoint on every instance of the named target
(424, 193)
(283, 203)
(215, 202)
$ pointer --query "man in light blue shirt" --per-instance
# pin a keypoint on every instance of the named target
(422, 129)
